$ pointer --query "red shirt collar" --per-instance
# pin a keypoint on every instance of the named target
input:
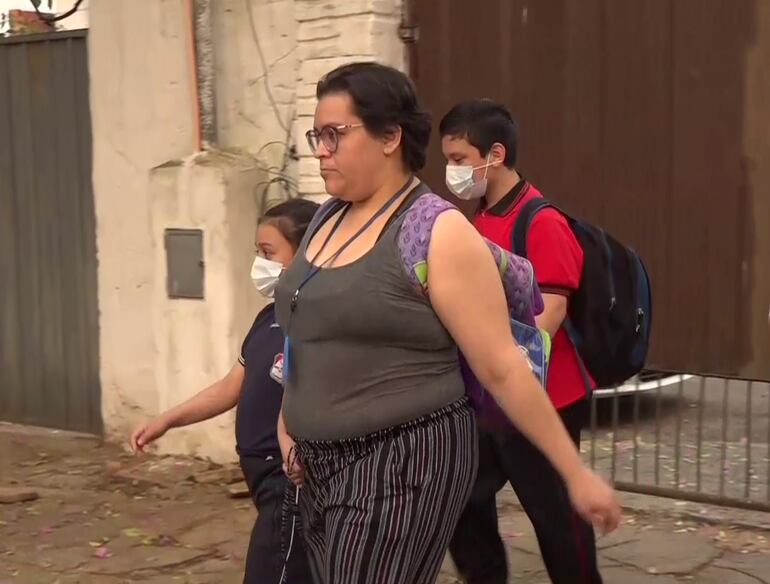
(508, 202)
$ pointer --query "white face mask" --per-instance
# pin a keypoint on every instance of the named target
(265, 274)
(459, 180)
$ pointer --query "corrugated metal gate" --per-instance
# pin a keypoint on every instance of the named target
(49, 368)
(649, 117)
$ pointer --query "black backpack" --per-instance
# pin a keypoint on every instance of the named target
(610, 315)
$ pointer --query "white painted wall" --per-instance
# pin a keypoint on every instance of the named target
(76, 21)
(156, 352)
(197, 341)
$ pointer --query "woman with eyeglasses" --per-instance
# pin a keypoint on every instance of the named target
(375, 424)
(275, 554)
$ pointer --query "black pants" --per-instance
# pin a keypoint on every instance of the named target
(380, 509)
(566, 542)
(271, 536)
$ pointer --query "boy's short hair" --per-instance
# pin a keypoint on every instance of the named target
(483, 122)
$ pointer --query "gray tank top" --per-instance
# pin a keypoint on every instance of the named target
(367, 350)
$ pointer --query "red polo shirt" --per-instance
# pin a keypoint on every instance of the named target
(558, 262)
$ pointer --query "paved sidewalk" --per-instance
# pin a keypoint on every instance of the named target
(104, 516)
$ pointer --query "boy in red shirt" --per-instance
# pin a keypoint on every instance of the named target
(479, 140)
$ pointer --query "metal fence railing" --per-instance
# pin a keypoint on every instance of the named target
(692, 438)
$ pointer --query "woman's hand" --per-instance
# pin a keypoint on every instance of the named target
(149, 432)
(595, 500)
(293, 467)
(291, 464)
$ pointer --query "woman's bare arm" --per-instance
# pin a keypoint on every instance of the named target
(467, 295)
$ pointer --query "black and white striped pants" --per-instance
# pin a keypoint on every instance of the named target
(381, 509)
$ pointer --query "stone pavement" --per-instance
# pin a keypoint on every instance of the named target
(104, 516)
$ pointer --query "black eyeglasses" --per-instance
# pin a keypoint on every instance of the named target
(329, 136)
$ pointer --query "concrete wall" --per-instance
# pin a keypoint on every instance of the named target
(246, 115)
(300, 40)
(197, 341)
(141, 112)
(78, 20)
(156, 352)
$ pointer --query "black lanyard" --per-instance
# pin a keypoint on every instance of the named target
(314, 268)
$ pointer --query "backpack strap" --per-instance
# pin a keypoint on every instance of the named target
(574, 337)
(521, 291)
(414, 236)
(524, 221)
(520, 232)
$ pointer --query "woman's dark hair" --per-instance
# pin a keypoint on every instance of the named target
(291, 218)
(483, 123)
(384, 98)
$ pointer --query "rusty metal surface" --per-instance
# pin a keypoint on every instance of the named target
(49, 372)
(649, 118)
(44, 36)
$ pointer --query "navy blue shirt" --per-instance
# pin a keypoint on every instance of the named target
(262, 392)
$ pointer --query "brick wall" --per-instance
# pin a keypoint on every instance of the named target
(329, 34)
(301, 41)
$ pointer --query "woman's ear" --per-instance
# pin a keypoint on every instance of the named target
(392, 140)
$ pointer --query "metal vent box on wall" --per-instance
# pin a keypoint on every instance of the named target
(184, 263)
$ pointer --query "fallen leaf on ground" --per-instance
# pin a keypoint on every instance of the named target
(164, 540)
(102, 553)
(132, 532)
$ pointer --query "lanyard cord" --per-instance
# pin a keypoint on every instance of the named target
(314, 269)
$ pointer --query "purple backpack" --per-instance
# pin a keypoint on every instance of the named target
(521, 292)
